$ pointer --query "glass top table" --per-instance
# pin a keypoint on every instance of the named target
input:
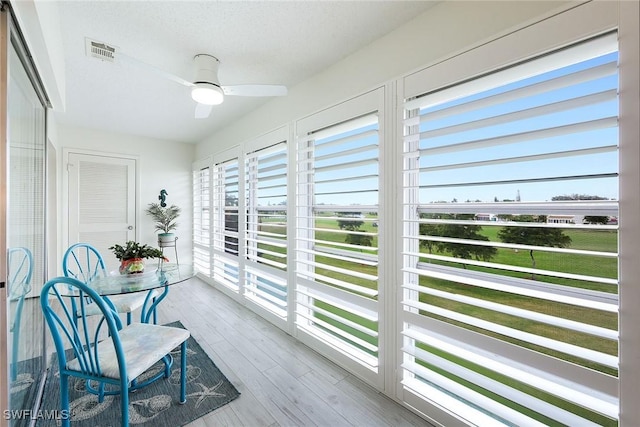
(161, 277)
(152, 278)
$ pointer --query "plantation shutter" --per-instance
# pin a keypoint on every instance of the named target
(266, 228)
(337, 234)
(225, 223)
(201, 221)
(510, 272)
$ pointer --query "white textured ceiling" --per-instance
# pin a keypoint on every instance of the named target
(267, 42)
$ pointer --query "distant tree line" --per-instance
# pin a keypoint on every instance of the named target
(530, 236)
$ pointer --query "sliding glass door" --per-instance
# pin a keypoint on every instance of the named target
(23, 261)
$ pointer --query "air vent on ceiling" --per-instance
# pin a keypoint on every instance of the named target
(100, 50)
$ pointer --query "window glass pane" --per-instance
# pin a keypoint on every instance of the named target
(266, 228)
(201, 220)
(225, 223)
(511, 237)
(26, 216)
(337, 244)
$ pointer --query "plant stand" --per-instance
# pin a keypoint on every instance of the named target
(172, 244)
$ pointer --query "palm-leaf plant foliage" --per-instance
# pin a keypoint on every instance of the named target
(164, 217)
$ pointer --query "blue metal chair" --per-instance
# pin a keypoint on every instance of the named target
(83, 262)
(19, 271)
(124, 352)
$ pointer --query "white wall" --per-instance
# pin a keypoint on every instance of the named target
(441, 32)
(162, 164)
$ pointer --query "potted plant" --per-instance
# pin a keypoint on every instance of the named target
(132, 256)
(165, 219)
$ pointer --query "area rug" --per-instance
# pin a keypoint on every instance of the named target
(24, 390)
(154, 405)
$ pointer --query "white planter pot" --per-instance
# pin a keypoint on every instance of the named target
(166, 238)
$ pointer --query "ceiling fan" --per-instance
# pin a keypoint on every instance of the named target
(206, 89)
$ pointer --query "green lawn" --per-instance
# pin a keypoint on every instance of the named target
(594, 240)
(603, 241)
(597, 266)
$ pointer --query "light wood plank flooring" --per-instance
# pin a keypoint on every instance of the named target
(283, 382)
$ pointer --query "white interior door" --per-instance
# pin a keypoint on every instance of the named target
(102, 197)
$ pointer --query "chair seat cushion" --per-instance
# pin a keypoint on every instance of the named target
(123, 303)
(143, 345)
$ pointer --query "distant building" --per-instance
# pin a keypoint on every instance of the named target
(564, 219)
(485, 217)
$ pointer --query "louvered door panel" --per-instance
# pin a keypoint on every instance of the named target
(101, 201)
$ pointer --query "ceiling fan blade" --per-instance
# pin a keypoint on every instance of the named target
(206, 74)
(255, 90)
(126, 58)
(203, 111)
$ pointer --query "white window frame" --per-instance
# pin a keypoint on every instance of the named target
(250, 269)
(369, 369)
(198, 220)
(549, 35)
(223, 263)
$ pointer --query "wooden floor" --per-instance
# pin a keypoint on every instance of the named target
(283, 382)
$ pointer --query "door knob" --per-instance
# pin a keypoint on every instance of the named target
(130, 227)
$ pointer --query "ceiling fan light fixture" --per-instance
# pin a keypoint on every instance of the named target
(207, 93)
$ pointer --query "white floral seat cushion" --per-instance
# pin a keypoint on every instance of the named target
(143, 345)
(123, 303)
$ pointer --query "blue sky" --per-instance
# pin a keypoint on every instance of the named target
(599, 163)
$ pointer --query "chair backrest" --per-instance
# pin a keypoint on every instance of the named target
(19, 271)
(81, 334)
(83, 262)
